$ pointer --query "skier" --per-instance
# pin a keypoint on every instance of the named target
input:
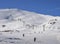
(34, 39)
(23, 35)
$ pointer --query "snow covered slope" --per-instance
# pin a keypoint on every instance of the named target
(24, 27)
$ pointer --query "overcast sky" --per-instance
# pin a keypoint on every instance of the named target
(51, 7)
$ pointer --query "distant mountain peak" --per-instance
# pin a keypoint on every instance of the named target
(26, 16)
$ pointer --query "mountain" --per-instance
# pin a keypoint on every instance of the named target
(25, 27)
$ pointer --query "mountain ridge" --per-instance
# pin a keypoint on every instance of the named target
(20, 27)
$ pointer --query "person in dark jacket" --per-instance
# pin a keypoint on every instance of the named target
(23, 35)
(34, 39)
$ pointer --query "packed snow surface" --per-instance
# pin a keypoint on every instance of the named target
(24, 27)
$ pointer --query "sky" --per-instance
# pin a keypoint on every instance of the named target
(48, 7)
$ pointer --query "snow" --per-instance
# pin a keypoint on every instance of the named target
(21, 27)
